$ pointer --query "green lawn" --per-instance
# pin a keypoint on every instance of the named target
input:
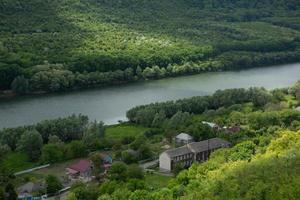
(17, 162)
(118, 132)
(157, 181)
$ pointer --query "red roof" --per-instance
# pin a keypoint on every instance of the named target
(81, 166)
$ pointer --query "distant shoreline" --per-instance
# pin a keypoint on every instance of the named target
(9, 94)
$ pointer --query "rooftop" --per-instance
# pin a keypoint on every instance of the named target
(205, 145)
(184, 136)
(178, 151)
(81, 166)
(210, 124)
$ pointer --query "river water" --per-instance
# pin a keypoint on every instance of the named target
(111, 103)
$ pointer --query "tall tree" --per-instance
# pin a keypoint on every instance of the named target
(31, 143)
(20, 85)
(53, 184)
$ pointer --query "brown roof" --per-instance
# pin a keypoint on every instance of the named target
(205, 145)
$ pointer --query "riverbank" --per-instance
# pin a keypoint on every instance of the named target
(110, 103)
(80, 82)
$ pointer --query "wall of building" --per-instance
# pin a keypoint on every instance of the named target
(164, 162)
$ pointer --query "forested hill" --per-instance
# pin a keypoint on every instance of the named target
(90, 37)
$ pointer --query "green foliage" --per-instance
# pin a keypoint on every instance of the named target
(53, 184)
(242, 151)
(15, 162)
(76, 149)
(52, 153)
(178, 111)
(20, 85)
(118, 132)
(31, 143)
(122, 41)
(95, 132)
(200, 131)
(85, 192)
(135, 172)
(10, 192)
(118, 171)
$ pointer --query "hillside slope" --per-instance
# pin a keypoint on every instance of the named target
(102, 35)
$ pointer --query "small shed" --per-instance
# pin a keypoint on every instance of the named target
(183, 138)
(107, 159)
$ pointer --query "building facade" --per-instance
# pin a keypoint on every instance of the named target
(192, 152)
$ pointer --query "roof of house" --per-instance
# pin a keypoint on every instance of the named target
(81, 166)
(106, 158)
(210, 124)
(205, 145)
(196, 147)
(178, 151)
(29, 188)
(184, 136)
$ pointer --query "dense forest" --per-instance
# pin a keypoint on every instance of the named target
(48, 46)
(263, 162)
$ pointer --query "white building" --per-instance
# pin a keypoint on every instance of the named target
(186, 155)
(183, 138)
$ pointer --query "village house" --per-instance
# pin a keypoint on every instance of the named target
(27, 190)
(107, 162)
(81, 170)
(192, 152)
(183, 138)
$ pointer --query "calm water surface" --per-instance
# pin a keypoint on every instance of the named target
(110, 104)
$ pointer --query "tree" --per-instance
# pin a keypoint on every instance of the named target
(178, 120)
(243, 151)
(128, 157)
(53, 184)
(2, 193)
(76, 149)
(118, 171)
(31, 143)
(159, 119)
(52, 153)
(139, 141)
(139, 72)
(135, 172)
(20, 85)
(136, 184)
(54, 139)
(201, 131)
(11, 194)
(178, 168)
(4, 149)
(71, 196)
(110, 186)
(86, 192)
(97, 162)
(94, 133)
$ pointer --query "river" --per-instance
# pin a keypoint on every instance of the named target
(111, 103)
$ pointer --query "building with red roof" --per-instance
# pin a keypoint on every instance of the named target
(80, 170)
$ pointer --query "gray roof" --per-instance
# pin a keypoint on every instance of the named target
(29, 188)
(178, 151)
(205, 145)
(184, 136)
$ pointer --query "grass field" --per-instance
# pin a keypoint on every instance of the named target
(157, 181)
(117, 132)
(15, 162)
